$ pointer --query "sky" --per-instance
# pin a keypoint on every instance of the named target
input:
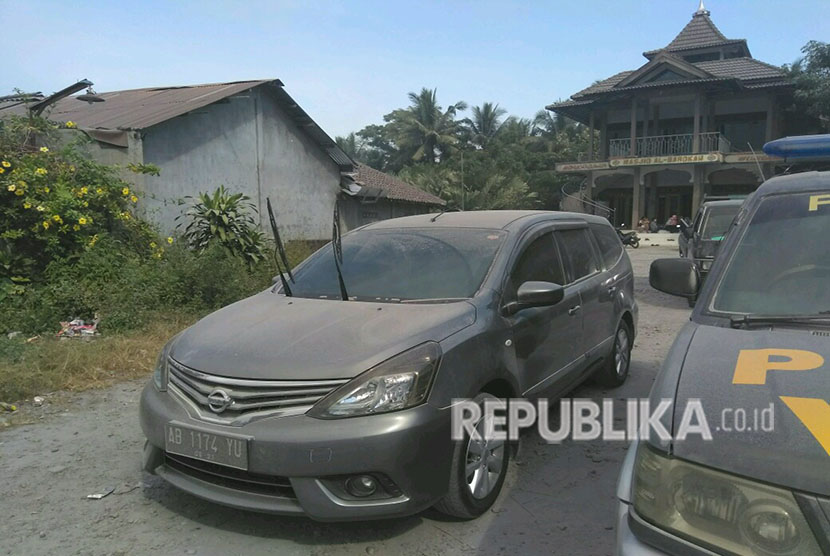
(349, 63)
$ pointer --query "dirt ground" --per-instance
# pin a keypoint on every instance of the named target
(558, 499)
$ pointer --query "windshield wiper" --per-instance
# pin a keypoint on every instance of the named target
(337, 249)
(745, 321)
(279, 253)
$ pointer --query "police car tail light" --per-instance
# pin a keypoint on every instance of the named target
(722, 512)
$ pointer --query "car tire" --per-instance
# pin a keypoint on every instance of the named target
(462, 501)
(615, 370)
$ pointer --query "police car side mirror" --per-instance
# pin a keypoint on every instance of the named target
(675, 277)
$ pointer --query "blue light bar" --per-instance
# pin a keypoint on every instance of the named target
(799, 146)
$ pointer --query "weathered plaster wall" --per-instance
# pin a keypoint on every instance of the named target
(248, 145)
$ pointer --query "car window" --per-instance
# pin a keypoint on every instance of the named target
(402, 264)
(540, 261)
(698, 219)
(780, 266)
(577, 253)
(610, 246)
(717, 222)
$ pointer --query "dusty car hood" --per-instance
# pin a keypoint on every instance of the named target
(790, 455)
(269, 336)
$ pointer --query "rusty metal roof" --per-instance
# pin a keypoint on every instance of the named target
(136, 109)
(143, 108)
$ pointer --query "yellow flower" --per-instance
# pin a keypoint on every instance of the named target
(19, 192)
(27, 205)
(41, 172)
(46, 189)
(153, 245)
(12, 187)
(76, 227)
(86, 204)
(46, 225)
(40, 208)
(82, 220)
(57, 218)
(2, 170)
(71, 168)
(44, 149)
(125, 191)
(93, 240)
(84, 190)
(170, 240)
(99, 191)
(6, 164)
(134, 199)
(70, 124)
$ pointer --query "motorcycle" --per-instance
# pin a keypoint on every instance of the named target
(629, 238)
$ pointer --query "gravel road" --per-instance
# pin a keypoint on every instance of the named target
(558, 499)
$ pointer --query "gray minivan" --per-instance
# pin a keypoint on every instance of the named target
(335, 401)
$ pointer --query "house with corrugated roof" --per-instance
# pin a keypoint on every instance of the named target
(690, 122)
(250, 136)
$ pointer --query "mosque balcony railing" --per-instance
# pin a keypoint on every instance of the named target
(667, 145)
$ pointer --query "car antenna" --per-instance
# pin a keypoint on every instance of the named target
(337, 250)
(279, 253)
(443, 210)
(763, 177)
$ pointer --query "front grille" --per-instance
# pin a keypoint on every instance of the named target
(270, 485)
(249, 397)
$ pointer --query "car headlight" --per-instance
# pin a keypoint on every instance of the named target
(720, 511)
(398, 383)
(160, 370)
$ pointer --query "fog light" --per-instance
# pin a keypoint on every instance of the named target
(361, 486)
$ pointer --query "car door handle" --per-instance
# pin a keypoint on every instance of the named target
(612, 290)
(574, 310)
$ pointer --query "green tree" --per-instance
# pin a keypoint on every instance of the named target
(425, 129)
(485, 122)
(811, 77)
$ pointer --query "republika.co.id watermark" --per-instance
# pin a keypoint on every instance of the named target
(585, 419)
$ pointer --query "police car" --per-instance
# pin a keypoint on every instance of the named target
(756, 356)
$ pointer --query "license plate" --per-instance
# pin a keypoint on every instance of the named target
(222, 449)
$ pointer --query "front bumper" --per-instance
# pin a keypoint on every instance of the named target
(411, 447)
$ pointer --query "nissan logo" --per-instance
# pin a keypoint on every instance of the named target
(219, 401)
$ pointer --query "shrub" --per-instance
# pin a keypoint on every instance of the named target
(225, 219)
(54, 204)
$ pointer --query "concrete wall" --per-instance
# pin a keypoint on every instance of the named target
(354, 214)
(248, 145)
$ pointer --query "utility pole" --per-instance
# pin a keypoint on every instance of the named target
(463, 188)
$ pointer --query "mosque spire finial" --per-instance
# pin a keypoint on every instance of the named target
(701, 9)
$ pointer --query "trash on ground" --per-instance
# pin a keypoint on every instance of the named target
(7, 407)
(38, 400)
(98, 496)
(78, 328)
(33, 339)
(13, 335)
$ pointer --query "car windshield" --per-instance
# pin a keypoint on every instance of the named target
(718, 221)
(782, 264)
(401, 265)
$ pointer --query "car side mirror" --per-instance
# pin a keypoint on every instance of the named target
(686, 228)
(675, 277)
(535, 294)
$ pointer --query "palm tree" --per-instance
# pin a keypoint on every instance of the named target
(425, 129)
(485, 122)
(549, 125)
